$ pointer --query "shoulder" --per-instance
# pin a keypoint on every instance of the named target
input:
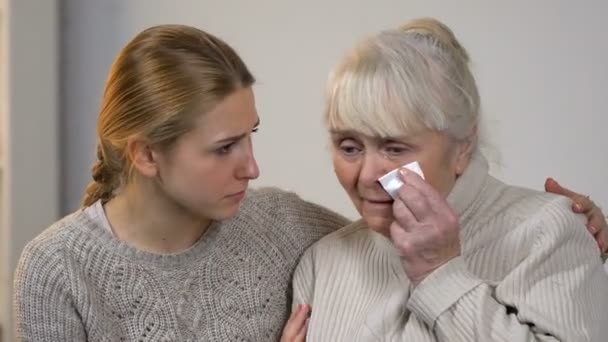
(42, 266)
(284, 219)
(291, 210)
(54, 237)
(351, 237)
(555, 220)
(352, 233)
(528, 204)
(272, 198)
(549, 216)
(53, 245)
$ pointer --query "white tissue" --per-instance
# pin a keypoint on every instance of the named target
(391, 182)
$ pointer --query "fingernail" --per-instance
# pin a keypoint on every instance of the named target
(578, 207)
(404, 172)
(592, 229)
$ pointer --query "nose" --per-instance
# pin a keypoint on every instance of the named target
(373, 167)
(249, 167)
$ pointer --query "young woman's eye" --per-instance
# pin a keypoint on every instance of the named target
(226, 149)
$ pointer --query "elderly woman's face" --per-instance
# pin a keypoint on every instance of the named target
(360, 160)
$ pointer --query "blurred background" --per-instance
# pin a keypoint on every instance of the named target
(541, 68)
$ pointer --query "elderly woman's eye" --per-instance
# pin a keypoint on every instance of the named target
(395, 150)
(349, 148)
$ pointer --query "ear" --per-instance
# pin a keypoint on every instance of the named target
(465, 151)
(143, 158)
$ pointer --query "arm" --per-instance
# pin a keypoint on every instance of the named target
(303, 222)
(312, 218)
(557, 293)
(296, 327)
(42, 299)
(303, 280)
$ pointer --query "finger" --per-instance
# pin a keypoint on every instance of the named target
(603, 245)
(294, 313)
(403, 215)
(581, 203)
(417, 203)
(592, 229)
(402, 239)
(551, 185)
(301, 336)
(295, 322)
(433, 197)
(601, 237)
(600, 241)
(596, 221)
(408, 243)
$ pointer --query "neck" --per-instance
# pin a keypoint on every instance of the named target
(147, 220)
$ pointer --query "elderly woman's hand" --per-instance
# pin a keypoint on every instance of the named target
(596, 221)
(426, 230)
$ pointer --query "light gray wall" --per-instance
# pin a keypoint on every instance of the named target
(541, 67)
(29, 115)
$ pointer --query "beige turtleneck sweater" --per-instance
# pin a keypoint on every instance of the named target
(529, 271)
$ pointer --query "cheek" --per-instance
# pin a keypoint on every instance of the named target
(439, 172)
(199, 176)
(346, 173)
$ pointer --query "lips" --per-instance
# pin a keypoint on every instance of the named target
(237, 194)
(378, 200)
(377, 205)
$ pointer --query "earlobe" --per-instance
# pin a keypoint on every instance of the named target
(142, 157)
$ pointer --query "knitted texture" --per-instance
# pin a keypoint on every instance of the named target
(76, 282)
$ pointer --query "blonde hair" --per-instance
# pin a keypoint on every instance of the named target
(158, 84)
(403, 81)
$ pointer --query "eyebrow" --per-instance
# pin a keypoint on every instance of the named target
(349, 132)
(343, 132)
(380, 139)
(237, 137)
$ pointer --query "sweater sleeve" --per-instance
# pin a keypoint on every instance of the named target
(558, 292)
(42, 299)
(303, 280)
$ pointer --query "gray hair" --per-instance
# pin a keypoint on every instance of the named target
(403, 81)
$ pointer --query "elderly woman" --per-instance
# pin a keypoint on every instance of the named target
(459, 255)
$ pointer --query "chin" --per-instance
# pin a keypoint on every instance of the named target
(379, 224)
(227, 212)
(217, 213)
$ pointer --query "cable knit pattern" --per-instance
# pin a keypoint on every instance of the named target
(529, 271)
(76, 282)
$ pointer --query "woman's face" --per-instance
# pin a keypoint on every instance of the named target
(208, 170)
(359, 161)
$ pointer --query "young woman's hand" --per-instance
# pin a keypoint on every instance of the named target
(596, 220)
(295, 329)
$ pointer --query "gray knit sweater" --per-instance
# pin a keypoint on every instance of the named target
(76, 282)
